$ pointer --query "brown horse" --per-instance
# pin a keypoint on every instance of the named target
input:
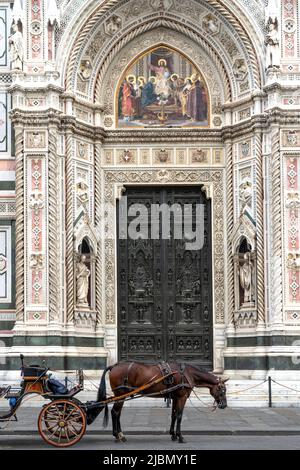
(127, 376)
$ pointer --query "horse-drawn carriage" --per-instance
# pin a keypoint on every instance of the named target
(63, 420)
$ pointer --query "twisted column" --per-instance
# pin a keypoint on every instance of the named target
(276, 252)
(69, 228)
(98, 267)
(19, 136)
(230, 223)
(260, 277)
(53, 211)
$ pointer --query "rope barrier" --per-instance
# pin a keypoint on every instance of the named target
(246, 389)
(285, 386)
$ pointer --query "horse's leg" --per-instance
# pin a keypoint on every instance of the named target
(180, 406)
(173, 420)
(116, 416)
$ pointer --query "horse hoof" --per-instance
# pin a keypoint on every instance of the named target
(181, 440)
(174, 438)
(123, 439)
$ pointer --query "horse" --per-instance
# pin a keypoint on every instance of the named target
(178, 385)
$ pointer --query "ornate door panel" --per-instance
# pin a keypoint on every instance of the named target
(164, 290)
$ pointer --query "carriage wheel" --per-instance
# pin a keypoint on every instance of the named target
(62, 423)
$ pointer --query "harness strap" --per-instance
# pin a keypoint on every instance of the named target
(165, 369)
(125, 383)
(184, 377)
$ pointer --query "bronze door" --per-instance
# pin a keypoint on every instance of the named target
(164, 290)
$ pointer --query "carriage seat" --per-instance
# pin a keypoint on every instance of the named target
(33, 371)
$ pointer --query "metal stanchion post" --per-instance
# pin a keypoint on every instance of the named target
(270, 391)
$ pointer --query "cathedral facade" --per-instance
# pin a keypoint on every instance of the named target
(156, 101)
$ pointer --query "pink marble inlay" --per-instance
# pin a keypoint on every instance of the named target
(36, 287)
(294, 283)
(292, 173)
(293, 230)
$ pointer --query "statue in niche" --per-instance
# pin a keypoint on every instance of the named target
(16, 48)
(272, 43)
(245, 273)
(82, 282)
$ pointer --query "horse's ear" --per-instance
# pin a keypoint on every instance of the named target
(225, 379)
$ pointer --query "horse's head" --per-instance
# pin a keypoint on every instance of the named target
(218, 391)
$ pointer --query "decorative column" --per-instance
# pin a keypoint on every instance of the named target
(99, 260)
(276, 244)
(53, 214)
(260, 276)
(19, 137)
(229, 220)
(69, 227)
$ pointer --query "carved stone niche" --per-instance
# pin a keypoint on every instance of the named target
(244, 257)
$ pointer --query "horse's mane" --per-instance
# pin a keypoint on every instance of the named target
(204, 372)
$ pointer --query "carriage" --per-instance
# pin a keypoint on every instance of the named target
(62, 422)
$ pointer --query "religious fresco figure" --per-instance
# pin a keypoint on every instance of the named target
(195, 104)
(162, 85)
(128, 99)
(148, 94)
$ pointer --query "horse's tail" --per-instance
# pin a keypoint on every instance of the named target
(101, 396)
(94, 410)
